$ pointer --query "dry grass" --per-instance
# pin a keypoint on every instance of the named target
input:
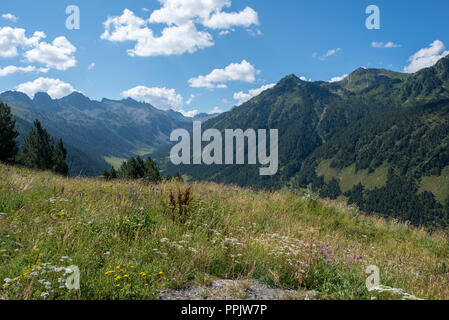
(279, 238)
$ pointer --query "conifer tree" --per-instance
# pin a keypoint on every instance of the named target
(39, 151)
(60, 155)
(8, 135)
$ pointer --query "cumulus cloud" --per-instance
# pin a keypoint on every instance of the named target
(10, 17)
(225, 20)
(243, 97)
(215, 110)
(426, 57)
(243, 71)
(91, 66)
(161, 98)
(14, 69)
(54, 87)
(13, 38)
(180, 35)
(337, 79)
(58, 55)
(382, 45)
(174, 40)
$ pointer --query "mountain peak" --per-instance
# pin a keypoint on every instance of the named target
(42, 96)
(14, 96)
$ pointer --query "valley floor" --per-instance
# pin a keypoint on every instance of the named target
(128, 242)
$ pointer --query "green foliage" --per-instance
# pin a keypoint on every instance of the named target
(8, 135)
(400, 199)
(136, 168)
(330, 190)
(40, 152)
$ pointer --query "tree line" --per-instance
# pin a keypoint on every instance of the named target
(39, 151)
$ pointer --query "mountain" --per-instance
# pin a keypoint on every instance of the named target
(106, 131)
(379, 128)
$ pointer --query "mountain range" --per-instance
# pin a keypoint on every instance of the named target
(364, 131)
(373, 134)
(98, 134)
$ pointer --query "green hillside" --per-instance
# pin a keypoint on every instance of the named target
(130, 243)
(352, 132)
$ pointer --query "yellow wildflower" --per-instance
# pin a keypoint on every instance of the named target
(118, 278)
(5, 286)
(109, 272)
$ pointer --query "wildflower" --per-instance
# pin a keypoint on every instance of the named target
(360, 257)
(5, 286)
(143, 274)
(109, 272)
(349, 261)
(117, 278)
(328, 261)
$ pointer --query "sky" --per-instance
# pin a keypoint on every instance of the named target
(207, 56)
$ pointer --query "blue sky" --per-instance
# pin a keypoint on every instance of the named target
(251, 44)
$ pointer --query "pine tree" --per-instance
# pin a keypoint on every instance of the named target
(113, 174)
(137, 168)
(60, 155)
(39, 151)
(8, 135)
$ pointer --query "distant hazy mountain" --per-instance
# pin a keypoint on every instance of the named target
(106, 129)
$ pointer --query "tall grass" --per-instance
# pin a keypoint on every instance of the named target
(127, 245)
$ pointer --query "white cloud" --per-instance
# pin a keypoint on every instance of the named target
(188, 114)
(174, 40)
(426, 57)
(337, 79)
(243, 71)
(58, 55)
(215, 110)
(332, 52)
(328, 54)
(91, 66)
(13, 38)
(382, 45)
(224, 32)
(54, 87)
(243, 97)
(190, 100)
(224, 20)
(161, 98)
(10, 17)
(181, 18)
(14, 69)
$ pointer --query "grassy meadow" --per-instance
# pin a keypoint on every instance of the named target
(132, 239)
